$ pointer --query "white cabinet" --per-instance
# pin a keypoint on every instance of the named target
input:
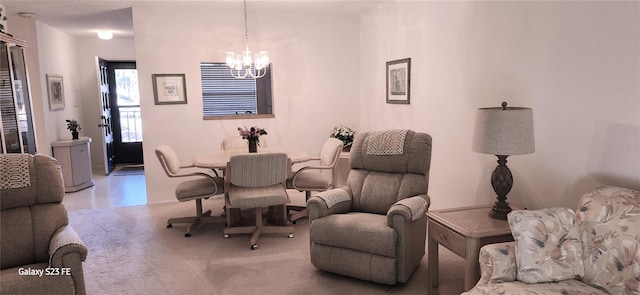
(74, 157)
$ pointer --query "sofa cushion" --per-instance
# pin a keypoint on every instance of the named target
(357, 231)
(609, 219)
(548, 246)
(572, 287)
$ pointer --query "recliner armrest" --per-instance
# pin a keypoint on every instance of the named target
(409, 208)
(339, 202)
(65, 241)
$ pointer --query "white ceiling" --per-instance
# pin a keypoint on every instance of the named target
(83, 18)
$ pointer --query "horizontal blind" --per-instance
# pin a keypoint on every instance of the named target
(222, 94)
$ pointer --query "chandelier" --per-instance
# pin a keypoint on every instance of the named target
(242, 65)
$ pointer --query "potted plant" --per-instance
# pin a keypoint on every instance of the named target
(344, 133)
(252, 136)
(74, 127)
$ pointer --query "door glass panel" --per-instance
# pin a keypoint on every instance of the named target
(129, 104)
(10, 132)
(23, 102)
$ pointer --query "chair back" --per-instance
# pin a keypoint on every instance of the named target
(258, 169)
(236, 142)
(168, 160)
(31, 194)
(387, 166)
(330, 152)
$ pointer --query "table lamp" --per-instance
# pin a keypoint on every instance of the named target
(503, 132)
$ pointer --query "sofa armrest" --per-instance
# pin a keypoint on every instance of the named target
(410, 209)
(333, 201)
(497, 263)
(65, 241)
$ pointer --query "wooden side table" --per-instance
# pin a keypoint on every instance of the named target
(463, 231)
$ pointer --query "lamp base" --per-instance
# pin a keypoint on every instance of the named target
(500, 211)
(501, 181)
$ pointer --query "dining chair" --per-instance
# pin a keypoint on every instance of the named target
(257, 182)
(203, 187)
(312, 178)
(236, 142)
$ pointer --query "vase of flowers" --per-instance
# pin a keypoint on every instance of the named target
(252, 135)
(344, 133)
(74, 127)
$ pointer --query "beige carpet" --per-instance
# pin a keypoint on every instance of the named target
(132, 252)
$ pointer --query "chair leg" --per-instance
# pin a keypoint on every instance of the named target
(303, 210)
(260, 227)
(195, 221)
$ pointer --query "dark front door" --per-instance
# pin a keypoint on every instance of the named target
(125, 111)
(105, 115)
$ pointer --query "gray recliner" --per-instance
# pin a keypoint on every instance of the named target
(374, 228)
(34, 230)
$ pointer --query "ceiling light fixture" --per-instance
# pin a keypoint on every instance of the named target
(105, 34)
(242, 65)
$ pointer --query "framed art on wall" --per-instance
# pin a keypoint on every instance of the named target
(169, 89)
(55, 89)
(398, 81)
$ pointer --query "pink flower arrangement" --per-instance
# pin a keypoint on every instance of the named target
(252, 133)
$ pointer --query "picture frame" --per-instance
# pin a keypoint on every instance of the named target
(169, 89)
(399, 81)
(55, 91)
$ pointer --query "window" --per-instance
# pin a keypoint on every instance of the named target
(223, 95)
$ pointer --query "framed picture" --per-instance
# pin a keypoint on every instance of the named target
(55, 89)
(169, 89)
(399, 81)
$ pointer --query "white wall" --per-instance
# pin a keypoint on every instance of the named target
(315, 76)
(57, 55)
(577, 64)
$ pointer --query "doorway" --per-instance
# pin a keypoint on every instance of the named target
(125, 112)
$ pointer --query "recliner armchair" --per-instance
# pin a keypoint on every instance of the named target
(34, 230)
(374, 228)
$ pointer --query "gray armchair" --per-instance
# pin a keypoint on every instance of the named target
(34, 230)
(374, 228)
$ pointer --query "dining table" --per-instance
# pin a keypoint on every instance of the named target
(219, 159)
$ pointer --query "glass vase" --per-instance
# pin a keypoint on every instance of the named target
(253, 145)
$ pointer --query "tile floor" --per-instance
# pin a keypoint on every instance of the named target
(109, 192)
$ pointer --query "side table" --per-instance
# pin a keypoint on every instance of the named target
(463, 231)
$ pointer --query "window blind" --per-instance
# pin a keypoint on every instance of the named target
(222, 94)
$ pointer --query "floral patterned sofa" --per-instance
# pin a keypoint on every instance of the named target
(595, 250)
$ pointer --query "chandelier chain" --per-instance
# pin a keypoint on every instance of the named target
(246, 27)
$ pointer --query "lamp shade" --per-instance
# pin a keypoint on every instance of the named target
(504, 131)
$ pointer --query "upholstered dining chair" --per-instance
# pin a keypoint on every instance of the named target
(312, 178)
(374, 228)
(257, 181)
(202, 187)
(236, 142)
